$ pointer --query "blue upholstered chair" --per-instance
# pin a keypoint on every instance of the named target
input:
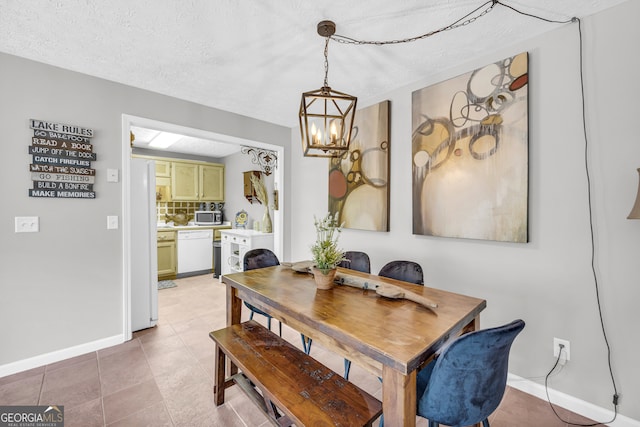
(407, 271)
(466, 381)
(260, 258)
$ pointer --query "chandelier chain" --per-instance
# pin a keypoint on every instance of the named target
(326, 62)
(461, 22)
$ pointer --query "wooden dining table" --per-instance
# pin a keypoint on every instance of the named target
(391, 338)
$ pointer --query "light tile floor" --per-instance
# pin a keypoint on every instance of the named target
(164, 375)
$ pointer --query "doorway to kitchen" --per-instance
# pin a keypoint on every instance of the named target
(129, 121)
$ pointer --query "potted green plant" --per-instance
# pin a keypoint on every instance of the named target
(325, 251)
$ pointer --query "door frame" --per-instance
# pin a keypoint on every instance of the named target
(127, 122)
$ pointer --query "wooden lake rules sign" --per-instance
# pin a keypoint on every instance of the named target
(61, 161)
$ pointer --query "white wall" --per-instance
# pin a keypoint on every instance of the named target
(61, 291)
(234, 192)
(548, 281)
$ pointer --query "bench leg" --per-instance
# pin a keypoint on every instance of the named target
(219, 376)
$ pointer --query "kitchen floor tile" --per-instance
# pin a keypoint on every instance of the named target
(153, 416)
(161, 330)
(22, 375)
(71, 374)
(182, 377)
(71, 385)
(88, 414)
(72, 394)
(22, 391)
(114, 378)
(124, 403)
(134, 343)
(162, 345)
(192, 405)
(169, 361)
(72, 361)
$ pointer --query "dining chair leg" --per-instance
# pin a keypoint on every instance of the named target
(306, 343)
(251, 316)
(280, 328)
(347, 368)
(269, 323)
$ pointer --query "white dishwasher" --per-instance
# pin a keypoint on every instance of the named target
(195, 251)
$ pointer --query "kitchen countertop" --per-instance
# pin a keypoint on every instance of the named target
(170, 226)
(245, 232)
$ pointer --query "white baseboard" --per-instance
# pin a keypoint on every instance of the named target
(58, 355)
(571, 403)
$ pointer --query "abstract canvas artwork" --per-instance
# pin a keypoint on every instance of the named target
(359, 180)
(470, 154)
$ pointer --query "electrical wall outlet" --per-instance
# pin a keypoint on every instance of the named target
(27, 224)
(566, 350)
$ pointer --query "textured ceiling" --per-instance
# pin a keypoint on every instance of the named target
(255, 57)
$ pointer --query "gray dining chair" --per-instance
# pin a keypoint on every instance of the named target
(259, 258)
(356, 260)
(407, 271)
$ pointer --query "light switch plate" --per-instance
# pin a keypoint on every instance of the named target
(27, 224)
(112, 222)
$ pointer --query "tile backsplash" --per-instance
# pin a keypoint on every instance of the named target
(163, 208)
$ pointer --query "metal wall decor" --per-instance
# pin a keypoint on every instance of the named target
(266, 159)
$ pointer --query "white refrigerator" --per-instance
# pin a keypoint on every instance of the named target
(144, 257)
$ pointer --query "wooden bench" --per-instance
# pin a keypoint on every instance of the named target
(294, 387)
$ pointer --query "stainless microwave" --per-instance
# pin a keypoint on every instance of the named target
(208, 218)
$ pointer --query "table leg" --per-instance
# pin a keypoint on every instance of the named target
(234, 313)
(234, 306)
(474, 325)
(398, 397)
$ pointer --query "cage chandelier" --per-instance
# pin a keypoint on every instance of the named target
(326, 115)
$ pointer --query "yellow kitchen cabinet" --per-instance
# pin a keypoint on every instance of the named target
(212, 183)
(167, 267)
(185, 180)
(163, 168)
(197, 182)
